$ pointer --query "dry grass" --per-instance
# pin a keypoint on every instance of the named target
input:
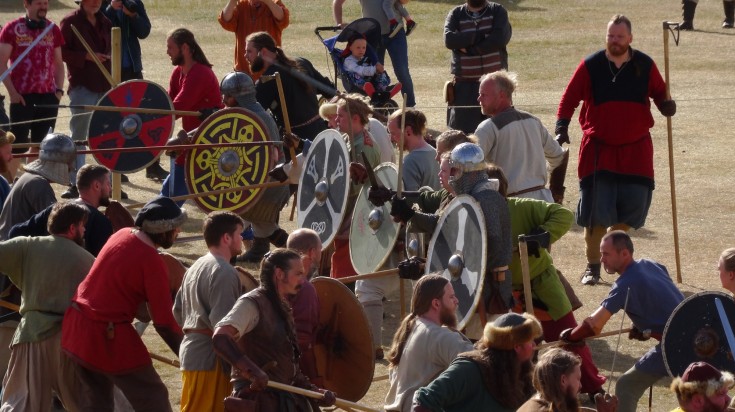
(550, 37)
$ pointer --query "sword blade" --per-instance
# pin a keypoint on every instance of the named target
(726, 326)
(370, 172)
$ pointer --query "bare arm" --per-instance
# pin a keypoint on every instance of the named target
(598, 319)
(337, 11)
(275, 9)
(59, 73)
(229, 10)
(5, 50)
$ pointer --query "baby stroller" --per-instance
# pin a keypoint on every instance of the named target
(370, 29)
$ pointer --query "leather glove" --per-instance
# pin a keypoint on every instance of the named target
(562, 134)
(667, 108)
(606, 403)
(204, 113)
(566, 337)
(401, 210)
(329, 399)
(539, 238)
(379, 195)
(358, 174)
(131, 5)
(182, 137)
(248, 370)
(291, 140)
(278, 173)
(637, 334)
(411, 268)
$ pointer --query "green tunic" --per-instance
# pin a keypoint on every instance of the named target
(459, 388)
(526, 215)
(47, 270)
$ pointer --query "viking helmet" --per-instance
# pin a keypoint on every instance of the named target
(56, 158)
(236, 84)
(57, 147)
(465, 158)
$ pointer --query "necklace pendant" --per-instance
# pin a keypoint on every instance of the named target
(613, 79)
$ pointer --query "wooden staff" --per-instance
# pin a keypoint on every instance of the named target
(116, 66)
(378, 274)
(151, 148)
(216, 192)
(9, 305)
(601, 335)
(617, 347)
(523, 255)
(672, 176)
(286, 125)
(342, 403)
(399, 191)
(172, 362)
(93, 55)
(141, 110)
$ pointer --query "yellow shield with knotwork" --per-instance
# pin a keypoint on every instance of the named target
(218, 168)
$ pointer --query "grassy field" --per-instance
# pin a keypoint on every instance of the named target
(549, 39)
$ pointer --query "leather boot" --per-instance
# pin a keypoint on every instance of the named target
(279, 238)
(255, 254)
(688, 8)
(729, 14)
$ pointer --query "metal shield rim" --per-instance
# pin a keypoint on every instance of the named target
(193, 152)
(300, 215)
(475, 205)
(363, 194)
(676, 310)
(369, 362)
(171, 128)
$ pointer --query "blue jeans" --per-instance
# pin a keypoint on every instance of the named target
(179, 189)
(79, 123)
(397, 48)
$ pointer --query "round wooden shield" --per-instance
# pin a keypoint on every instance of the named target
(109, 130)
(344, 349)
(695, 333)
(216, 168)
(247, 280)
(373, 232)
(457, 251)
(324, 186)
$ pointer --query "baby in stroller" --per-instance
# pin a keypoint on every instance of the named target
(361, 70)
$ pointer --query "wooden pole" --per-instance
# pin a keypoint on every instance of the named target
(140, 110)
(672, 175)
(116, 65)
(316, 395)
(523, 254)
(216, 192)
(175, 148)
(287, 127)
(399, 192)
(601, 335)
(378, 274)
(93, 55)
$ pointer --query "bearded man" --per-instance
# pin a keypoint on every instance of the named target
(702, 388)
(95, 188)
(557, 378)
(209, 290)
(494, 377)
(425, 343)
(37, 367)
(615, 168)
(98, 332)
(258, 339)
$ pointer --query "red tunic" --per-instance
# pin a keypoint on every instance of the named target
(615, 114)
(127, 272)
(196, 90)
